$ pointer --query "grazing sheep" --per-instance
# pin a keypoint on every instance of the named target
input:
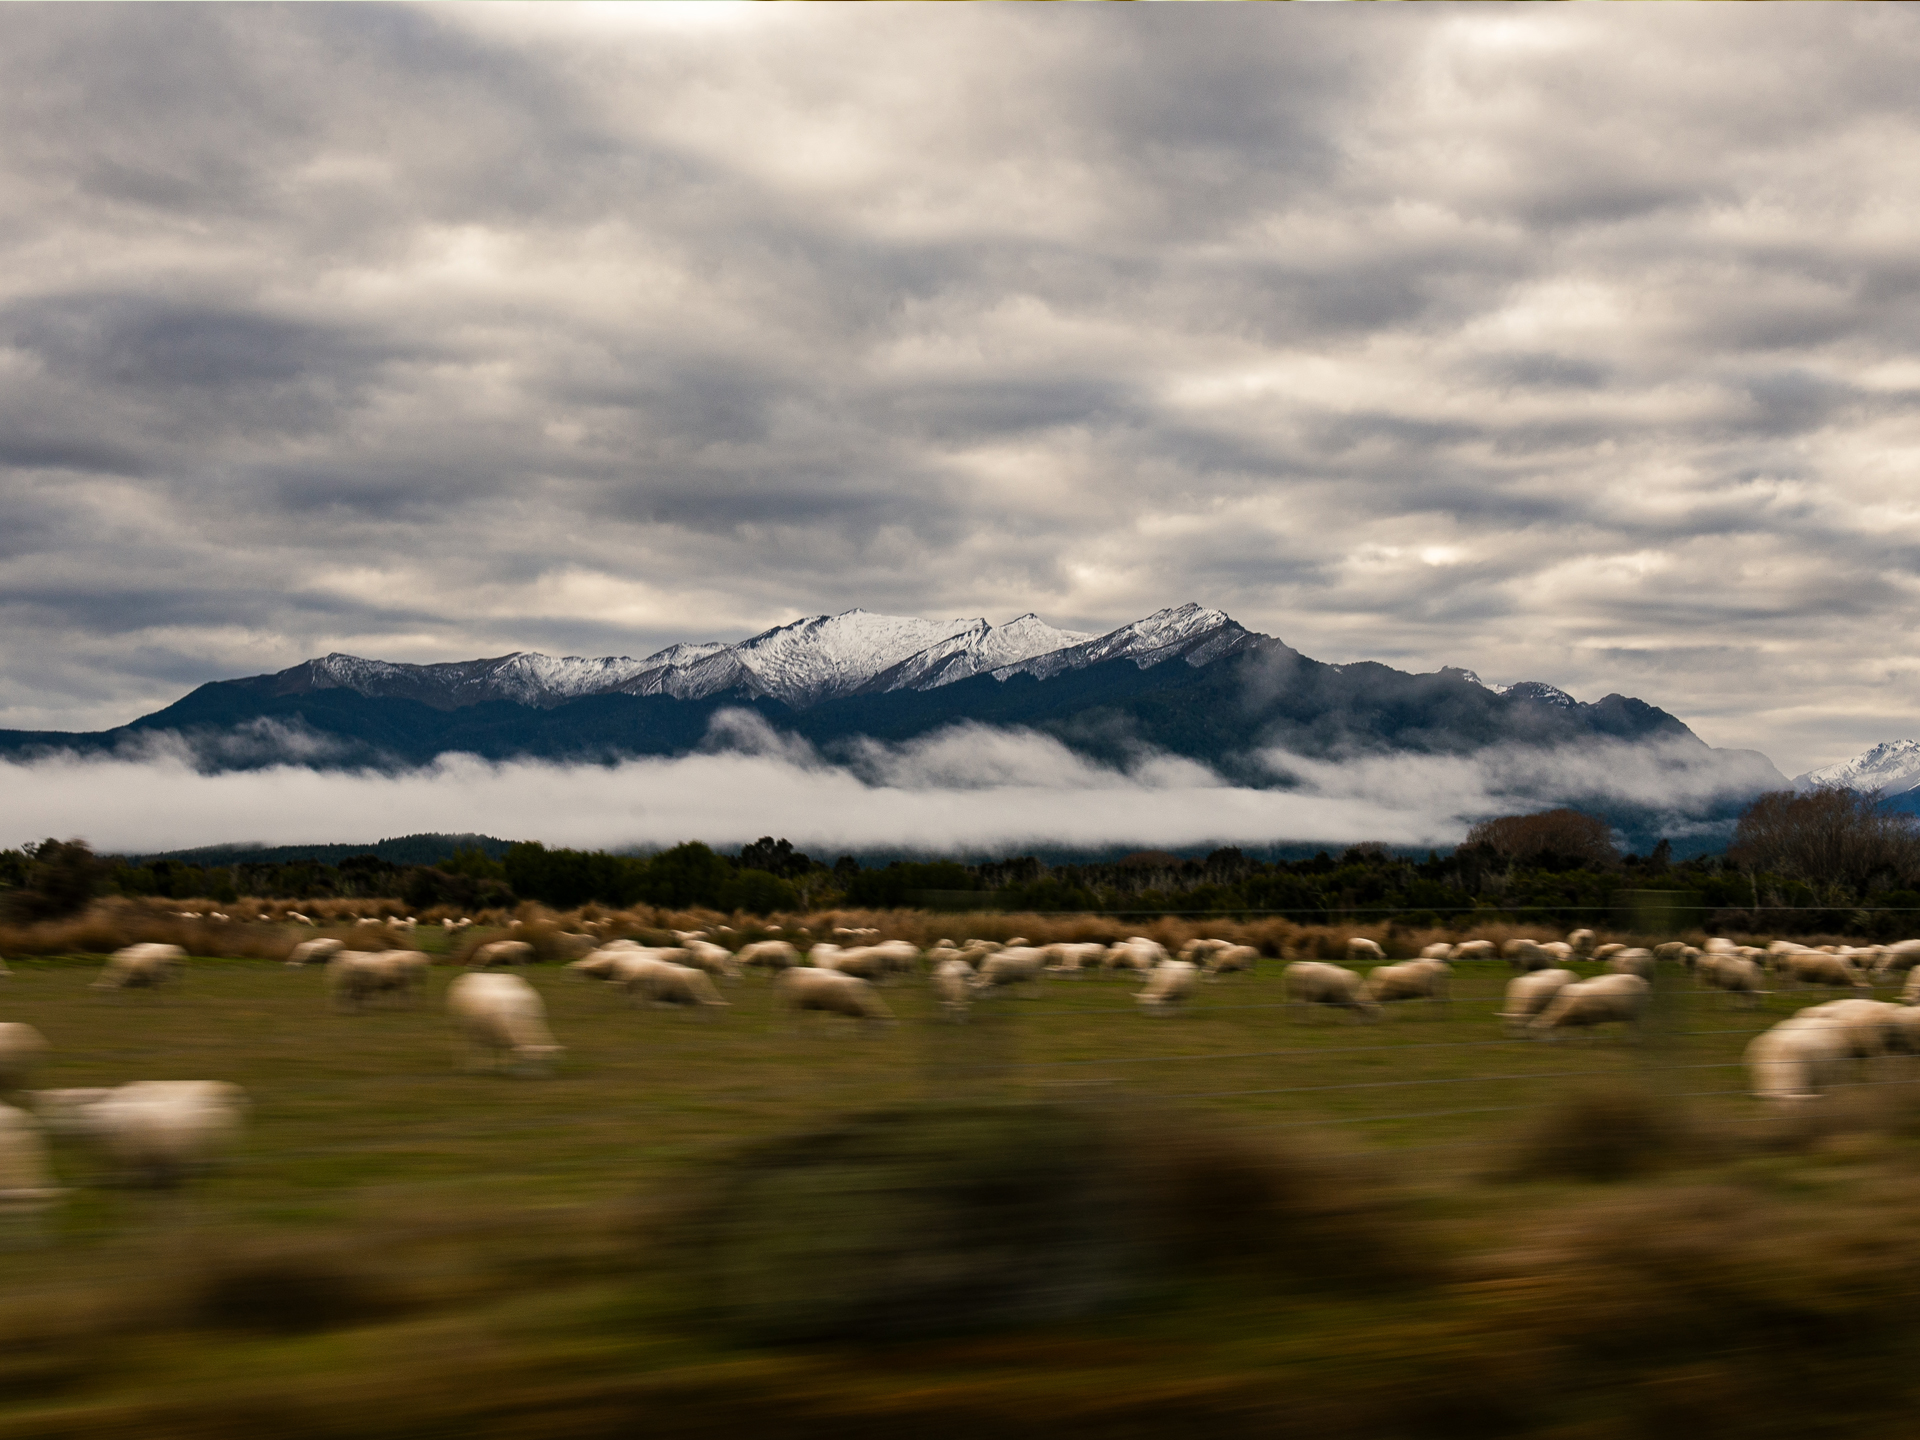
(1817, 967)
(1361, 948)
(1797, 1059)
(1439, 950)
(502, 1016)
(1409, 980)
(769, 955)
(1558, 951)
(21, 1049)
(1524, 955)
(1135, 953)
(298, 918)
(1073, 959)
(1234, 957)
(808, 988)
(1735, 974)
(953, 985)
(661, 982)
(1631, 962)
(1529, 994)
(501, 952)
(1603, 953)
(864, 961)
(313, 952)
(1314, 982)
(1871, 1027)
(1896, 959)
(602, 964)
(1473, 950)
(1013, 966)
(25, 1178)
(1168, 984)
(151, 1132)
(1674, 950)
(141, 967)
(1197, 949)
(1602, 1000)
(356, 976)
(714, 959)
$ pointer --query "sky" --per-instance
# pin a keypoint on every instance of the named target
(1573, 344)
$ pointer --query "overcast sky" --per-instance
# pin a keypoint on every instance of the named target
(1574, 344)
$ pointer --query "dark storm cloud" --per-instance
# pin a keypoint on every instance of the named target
(1571, 345)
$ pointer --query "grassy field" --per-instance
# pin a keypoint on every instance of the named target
(403, 1248)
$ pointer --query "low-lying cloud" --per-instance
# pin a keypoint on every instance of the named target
(965, 789)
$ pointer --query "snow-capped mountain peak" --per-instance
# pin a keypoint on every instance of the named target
(801, 663)
(1893, 766)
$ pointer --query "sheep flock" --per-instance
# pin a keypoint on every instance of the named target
(161, 1132)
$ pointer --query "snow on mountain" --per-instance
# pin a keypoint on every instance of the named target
(1190, 632)
(811, 660)
(1537, 690)
(819, 658)
(1892, 766)
(980, 647)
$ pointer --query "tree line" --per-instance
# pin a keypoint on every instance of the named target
(1827, 861)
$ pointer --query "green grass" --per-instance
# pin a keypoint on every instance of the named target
(502, 1247)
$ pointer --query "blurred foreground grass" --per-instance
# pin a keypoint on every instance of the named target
(1062, 1218)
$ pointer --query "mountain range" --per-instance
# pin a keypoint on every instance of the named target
(1187, 681)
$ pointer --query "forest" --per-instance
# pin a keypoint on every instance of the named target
(1828, 862)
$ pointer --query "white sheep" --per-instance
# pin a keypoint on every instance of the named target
(1896, 959)
(1020, 965)
(1582, 942)
(662, 982)
(503, 1017)
(714, 959)
(297, 918)
(807, 988)
(22, 1048)
(1797, 1059)
(1168, 984)
(1361, 948)
(1529, 994)
(769, 955)
(501, 952)
(1233, 957)
(1603, 953)
(1135, 953)
(1473, 950)
(1314, 982)
(313, 952)
(1625, 961)
(1073, 958)
(141, 967)
(953, 985)
(1439, 950)
(1524, 955)
(1603, 1000)
(1408, 980)
(151, 1132)
(1818, 967)
(864, 962)
(1735, 974)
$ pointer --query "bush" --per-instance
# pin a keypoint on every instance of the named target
(1597, 1133)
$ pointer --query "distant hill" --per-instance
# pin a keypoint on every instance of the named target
(405, 850)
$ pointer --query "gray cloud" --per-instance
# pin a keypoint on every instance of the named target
(1570, 345)
(968, 788)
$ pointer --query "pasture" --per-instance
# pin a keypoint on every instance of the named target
(430, 1250)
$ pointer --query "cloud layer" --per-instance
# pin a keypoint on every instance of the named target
(966, 789)
(1575, 345)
